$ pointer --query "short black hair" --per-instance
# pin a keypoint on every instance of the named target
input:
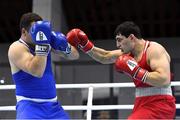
(127, 28)
(27, 19)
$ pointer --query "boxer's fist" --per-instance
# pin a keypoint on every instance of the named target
(128, 65)
(59, 42)
(78, 38)
(40, 32)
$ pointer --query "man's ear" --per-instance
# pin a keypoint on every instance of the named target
(23, 31)
(131, 37)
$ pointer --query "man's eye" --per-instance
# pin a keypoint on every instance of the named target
(119, 40)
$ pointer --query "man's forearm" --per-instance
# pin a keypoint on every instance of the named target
(157, 79)
(101, 55)
(37, 65)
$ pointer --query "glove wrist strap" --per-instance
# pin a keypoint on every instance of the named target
(88, 47)
(42, 49)
(141, 74)
(68, 49)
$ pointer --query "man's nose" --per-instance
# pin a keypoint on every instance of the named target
(118, 45)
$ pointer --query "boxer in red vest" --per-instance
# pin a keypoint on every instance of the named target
(146, 62)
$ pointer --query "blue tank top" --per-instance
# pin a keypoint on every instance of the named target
(34, 87)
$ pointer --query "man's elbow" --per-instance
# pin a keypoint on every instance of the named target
(165, 80)
(75, 57)
(103, 62)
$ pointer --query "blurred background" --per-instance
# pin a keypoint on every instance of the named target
(159, 21)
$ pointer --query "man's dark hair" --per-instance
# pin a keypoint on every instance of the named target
(127, 28)
(27, 19)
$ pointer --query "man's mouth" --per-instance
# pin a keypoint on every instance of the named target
(121, 49)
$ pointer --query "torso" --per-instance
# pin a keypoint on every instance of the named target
(30, 86)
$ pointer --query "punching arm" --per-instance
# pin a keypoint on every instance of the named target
(104, 56)
(79, 39)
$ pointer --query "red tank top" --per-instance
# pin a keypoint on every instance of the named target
(143, 64)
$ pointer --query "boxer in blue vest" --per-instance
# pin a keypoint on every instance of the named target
(30, 62)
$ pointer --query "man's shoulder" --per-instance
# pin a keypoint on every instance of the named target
(155, 45)
(156, 49)
(17, 47)
(15, 43)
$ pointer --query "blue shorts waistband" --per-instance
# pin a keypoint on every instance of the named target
(19, 98)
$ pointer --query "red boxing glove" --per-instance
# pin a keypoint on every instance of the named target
(128, 65)
(78, 38)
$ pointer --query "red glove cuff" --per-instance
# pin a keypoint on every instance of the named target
(88, 47)
(140, 74)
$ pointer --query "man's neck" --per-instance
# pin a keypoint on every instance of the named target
(27, 42)
(138, 47)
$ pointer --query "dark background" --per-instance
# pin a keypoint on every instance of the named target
(99, 18)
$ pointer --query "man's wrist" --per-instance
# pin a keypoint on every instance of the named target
(141, 74)
(88, 47)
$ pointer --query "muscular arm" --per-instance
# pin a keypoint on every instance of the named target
(21, 58)
(72, 56)
(104, 56)
(78, 38)
(159, 62)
